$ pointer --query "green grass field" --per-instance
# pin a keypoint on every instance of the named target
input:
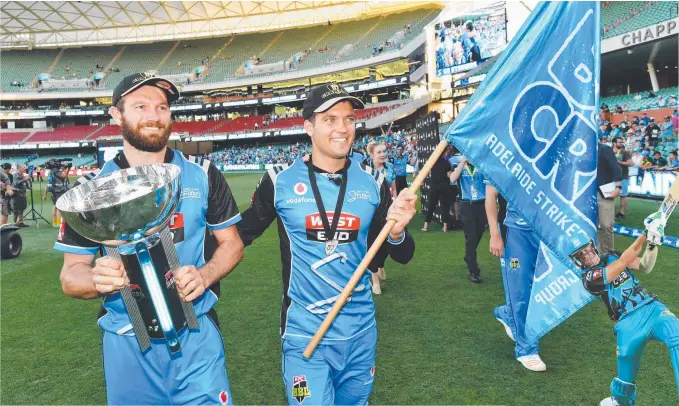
(438, 340)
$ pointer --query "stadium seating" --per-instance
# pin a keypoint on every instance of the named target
(70, 133)
(24, 66)
(240, 124)
(619, 17)
(642, 103)
(227, 54)
(12, 137)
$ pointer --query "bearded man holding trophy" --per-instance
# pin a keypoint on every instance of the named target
(150, 212)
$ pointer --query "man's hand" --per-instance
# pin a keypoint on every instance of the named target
(497, 247)
(190, 283)
(655, 228)
(402, 210)
(109, 275)
(615, 193)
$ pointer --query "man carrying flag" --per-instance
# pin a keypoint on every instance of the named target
(531, 130)
(518, 269)
(329, 210)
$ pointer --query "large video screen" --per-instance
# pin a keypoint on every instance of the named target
(462, 43)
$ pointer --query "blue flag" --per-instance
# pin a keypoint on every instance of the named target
(531, 129)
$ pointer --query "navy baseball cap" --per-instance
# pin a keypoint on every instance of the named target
(133, 82)
(322, 98)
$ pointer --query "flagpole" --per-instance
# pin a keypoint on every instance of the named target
(349, 288)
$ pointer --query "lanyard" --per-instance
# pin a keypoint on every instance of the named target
(330, 244)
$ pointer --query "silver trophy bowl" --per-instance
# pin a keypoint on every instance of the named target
(123, 206)
(127, 211)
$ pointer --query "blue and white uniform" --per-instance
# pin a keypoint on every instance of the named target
(518, 270)
(640, 317)
(197, 374)
(341, 369)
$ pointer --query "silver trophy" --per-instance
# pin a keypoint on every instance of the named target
(127, 211)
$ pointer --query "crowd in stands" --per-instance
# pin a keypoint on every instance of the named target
(646, 100)
(652, 143)
(286, 153)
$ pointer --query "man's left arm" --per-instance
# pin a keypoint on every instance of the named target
(221, 217)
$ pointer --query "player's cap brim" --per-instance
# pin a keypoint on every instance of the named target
(356, 102)
(161, 83)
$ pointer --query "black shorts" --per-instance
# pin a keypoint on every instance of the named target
(56, 196)
(19, 204)
(456, 192)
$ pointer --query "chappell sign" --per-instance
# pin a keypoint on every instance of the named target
(661, 30)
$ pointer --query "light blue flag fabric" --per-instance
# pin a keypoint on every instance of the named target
(531, 128)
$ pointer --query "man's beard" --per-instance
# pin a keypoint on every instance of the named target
(146, 143)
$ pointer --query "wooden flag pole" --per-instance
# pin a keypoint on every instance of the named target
(349, 288)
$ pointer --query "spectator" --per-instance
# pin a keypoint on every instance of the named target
(675, 120)
(644, 119)
(608, 171)
(625, 161)
(673, 161)
(667, 128)
(615, 131)
(659, 162)
(634, 170)
(653, 130)
(661, 101)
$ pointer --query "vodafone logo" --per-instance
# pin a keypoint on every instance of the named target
(223, 397)
(300, 189)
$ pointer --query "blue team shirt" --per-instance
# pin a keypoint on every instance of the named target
(313, 279)
(514, 220)
(356, 157)
(189, 241)
(472, 185)
(621, 296)
(401, 164)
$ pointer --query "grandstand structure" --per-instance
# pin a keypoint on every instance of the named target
(243, 67)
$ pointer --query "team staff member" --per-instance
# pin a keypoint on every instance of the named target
(400, 169)
(198, 375)
(329, 211)
(625, 161)
(473, 212)
(439, 191)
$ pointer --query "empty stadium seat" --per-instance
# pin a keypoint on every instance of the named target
(70, 133)
(12, 137)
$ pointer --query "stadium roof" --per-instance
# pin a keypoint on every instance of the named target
(75, 23)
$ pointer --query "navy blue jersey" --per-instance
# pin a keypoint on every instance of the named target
(472, 184)
(312, 279)
(206, 204)
(621, 296)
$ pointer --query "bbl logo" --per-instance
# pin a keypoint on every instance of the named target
(514, 263)
(300, 388)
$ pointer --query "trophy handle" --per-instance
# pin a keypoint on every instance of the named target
(157, 297)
